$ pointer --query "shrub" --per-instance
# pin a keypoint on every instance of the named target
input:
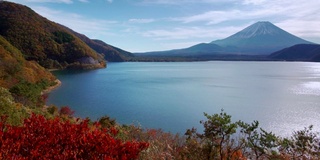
(66, 110)
(14, 112)
(107, 122)
(29, 94)
(162, 145)
(40, 138)
(52, 110)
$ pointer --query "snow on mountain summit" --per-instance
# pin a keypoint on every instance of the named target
(259, 28)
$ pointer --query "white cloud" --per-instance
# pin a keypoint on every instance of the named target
(302, 28)
(76, 22)
(253, 9)
(297, 16)
(178, 45)
(193, 20)
(191, 33)
(84, 1)
(182, 2)
(210, 17)
(43, 1)
(141, 20)
(254, 2)
(219, 16)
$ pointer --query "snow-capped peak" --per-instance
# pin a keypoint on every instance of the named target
(257, 29)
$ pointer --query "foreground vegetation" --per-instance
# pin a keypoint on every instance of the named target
(42, 133)
(41, 138)
(224, 139)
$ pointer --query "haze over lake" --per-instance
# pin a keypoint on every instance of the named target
(282, 96)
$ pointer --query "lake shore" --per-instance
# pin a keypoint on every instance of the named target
(49, 89)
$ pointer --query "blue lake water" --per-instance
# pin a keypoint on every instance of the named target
(282, 96)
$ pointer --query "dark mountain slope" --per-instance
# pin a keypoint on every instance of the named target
(114, 50)
(111, 53)
(300, 52)
(316, 58)
(44, 41)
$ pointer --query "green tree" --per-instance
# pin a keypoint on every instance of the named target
(303, 144)
(258, 144)
(216, 142)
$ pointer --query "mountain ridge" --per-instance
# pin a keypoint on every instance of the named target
(50, 44)
(259, 39)
(110, 53)
(42, 40)
(299, 52)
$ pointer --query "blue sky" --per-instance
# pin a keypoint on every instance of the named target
(153, 25)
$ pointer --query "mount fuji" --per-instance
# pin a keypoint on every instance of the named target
(258, 39)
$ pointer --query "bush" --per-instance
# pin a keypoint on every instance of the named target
(66, 110)
(107, 122)
(53, 110)
(40, 138)
(162, 145)
(14, 112)
(29, 94)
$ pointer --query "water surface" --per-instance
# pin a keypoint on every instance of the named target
(282, 96)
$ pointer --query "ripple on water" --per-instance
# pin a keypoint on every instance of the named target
(308, 88)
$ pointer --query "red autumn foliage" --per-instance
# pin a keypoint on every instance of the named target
(66, 110)
(41, 138)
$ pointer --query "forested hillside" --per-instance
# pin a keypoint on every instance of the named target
(21, 76)
(44, 41)
(110, 53)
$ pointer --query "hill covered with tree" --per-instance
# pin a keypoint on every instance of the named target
(22, 76)
(110, 53)
(44, 41)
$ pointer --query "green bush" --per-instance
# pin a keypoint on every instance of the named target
(29, 94)
(53, 110)
(13, 112)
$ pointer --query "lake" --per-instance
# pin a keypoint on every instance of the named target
(282, 96)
